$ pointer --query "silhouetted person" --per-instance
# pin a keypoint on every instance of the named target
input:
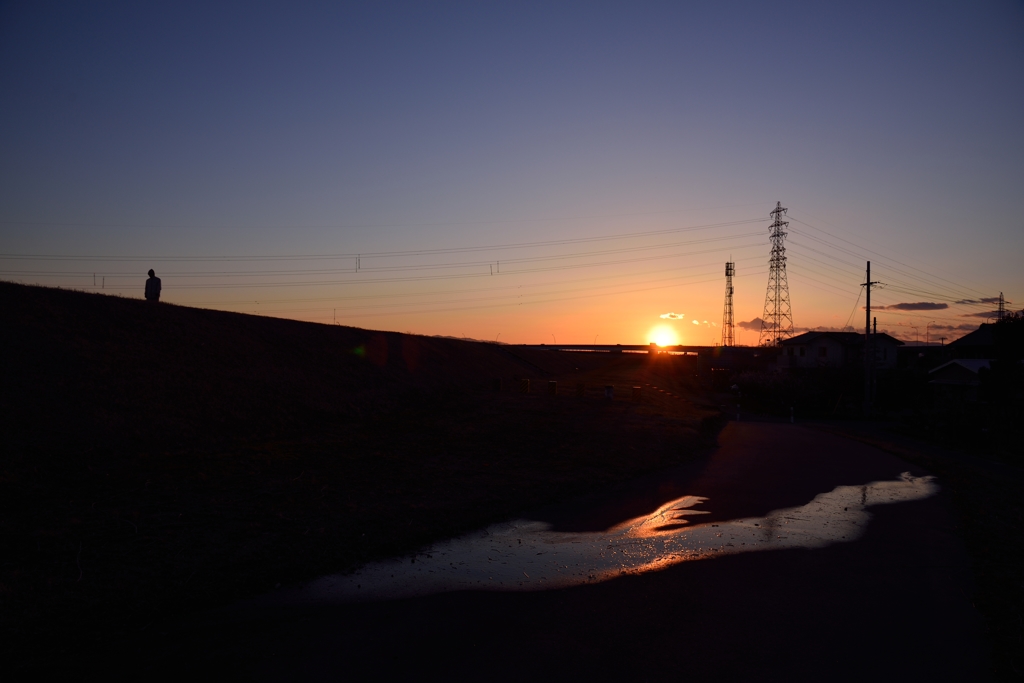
(152, 287)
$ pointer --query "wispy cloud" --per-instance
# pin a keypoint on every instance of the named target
(695, 322)
(962, 327)
(981, 314)
(673, 316)
(754, 324)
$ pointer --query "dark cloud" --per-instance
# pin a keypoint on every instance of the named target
(907, 332)
(981, 314)
(917, 306)
(984, 300)
(674, 316)
(754, 324)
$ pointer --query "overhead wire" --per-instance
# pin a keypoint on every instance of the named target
(425, 278)
(588, 296)
(421, 293)
(885, 258)
(351, 226)
(406, 267)
(889, 248)
(674, 283)
(378, 254)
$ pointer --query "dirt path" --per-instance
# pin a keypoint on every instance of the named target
(894, 604)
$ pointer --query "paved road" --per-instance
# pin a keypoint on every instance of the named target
(892, 605)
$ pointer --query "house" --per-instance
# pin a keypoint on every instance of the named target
(979, 344)
(958, 379)
(836, 350)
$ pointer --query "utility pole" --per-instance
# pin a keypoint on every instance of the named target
(869, 347)
(777, 321)
(1002, 306)
(727, 317)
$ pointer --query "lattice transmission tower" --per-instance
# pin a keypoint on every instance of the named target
(777, 321)
(727, 319)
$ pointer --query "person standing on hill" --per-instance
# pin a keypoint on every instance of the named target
(152, 287)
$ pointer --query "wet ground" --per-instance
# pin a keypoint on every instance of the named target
(789, 554)
(526, 555)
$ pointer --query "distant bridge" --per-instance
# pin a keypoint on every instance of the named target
(678, 350)
(621, 348)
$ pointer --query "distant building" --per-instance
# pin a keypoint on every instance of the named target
(836, 350)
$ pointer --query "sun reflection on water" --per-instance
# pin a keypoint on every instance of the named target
(529, 555)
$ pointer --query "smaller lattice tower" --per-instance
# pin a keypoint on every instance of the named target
(1001, 313)
(727, 319)
(777, 321)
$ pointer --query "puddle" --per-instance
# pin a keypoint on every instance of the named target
(527, 555)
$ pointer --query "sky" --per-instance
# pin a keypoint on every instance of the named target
(520, 172)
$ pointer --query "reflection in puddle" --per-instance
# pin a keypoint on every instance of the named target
(527, 555)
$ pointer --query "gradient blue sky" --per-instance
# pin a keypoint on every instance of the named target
(264, 129)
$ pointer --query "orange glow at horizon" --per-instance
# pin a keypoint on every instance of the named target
(663, 335)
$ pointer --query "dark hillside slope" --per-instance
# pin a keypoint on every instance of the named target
(91, 369)
(160, 460)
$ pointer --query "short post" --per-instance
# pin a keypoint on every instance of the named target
(637, 393)
(552, 388)
(609, 391)
(581, 390)
(524, 386)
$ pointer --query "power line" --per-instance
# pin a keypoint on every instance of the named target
(515, 296)
(888, 258)
(573, 298)
(951, 294)
(834, 289)
(420, 293)
(888, 248)
(379, 254)
(406, 267)
(424, 278)
(854, 310)
(338, 226)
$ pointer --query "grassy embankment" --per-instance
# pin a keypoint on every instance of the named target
(160, 460)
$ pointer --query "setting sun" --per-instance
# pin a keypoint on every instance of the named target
(663, 335)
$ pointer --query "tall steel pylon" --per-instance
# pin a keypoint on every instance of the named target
(727, 319)
(777, 321)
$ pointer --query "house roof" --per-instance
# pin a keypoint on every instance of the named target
(958, 373)
(844, 338)
(983, 336)
(974, 365)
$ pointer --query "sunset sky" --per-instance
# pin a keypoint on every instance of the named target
(525, 172)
